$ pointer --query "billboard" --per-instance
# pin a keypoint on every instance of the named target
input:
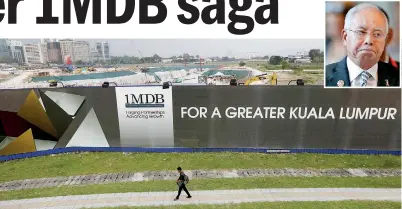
(145, 116)
(200, 117)
(287, 117)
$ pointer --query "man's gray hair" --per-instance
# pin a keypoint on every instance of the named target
(351, 13)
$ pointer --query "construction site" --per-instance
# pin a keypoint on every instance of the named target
(192, 74)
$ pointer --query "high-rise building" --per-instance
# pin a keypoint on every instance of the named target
(95, 57)
(32, 54)
(76, 50)
(81, 51)
(44, 53)
(4, 50)
(66, 48)
(103, 50)
(54, 52)
(45, 40)
(16, 50)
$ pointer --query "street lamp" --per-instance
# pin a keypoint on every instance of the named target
(106, 84)
(299, 82)
(166, 85)
(54, 83)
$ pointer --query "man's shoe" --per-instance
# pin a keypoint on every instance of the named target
(175, 199)
(189, 196)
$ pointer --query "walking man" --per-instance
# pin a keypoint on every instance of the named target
(181, 182)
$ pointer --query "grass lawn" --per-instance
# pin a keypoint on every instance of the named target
(209, 184)
(286, 205)
(98, 163)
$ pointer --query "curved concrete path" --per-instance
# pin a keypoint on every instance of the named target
(193, 174)
(204, 197)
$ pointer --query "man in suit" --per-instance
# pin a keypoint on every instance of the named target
(364, 37)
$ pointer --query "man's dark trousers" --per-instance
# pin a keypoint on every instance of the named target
(183, 187)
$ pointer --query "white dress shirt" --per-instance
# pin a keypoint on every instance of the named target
(355, 74)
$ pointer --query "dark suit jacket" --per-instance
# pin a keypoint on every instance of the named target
(394, 63)
(339, 71)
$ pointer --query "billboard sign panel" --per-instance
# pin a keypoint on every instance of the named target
(145, 116)
(287, 117)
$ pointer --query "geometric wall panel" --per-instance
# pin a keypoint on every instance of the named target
(89, 133)
(2, 138)
(14, 98)
(44, 144)
(73, 127)
(92, 118)
(107, 114)
(39, 144)
(41, 102)
(7, 140)
(70, 103)
(13, 126)
(33, 112)
(24, 143)
(59, 118)
(2, 131)
(105, 110)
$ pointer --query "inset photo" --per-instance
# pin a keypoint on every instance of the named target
(362, 44)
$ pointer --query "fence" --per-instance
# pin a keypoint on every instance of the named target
(200, 118)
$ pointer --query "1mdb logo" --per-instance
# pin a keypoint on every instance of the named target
(144, 100)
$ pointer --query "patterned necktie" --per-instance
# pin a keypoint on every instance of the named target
(364, 78)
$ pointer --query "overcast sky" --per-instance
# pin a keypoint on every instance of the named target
(206, 47)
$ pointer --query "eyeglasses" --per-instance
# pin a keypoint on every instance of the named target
(376, 34)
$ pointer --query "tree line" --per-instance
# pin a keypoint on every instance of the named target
(316, 56)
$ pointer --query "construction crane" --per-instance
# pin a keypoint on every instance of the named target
(263, 79)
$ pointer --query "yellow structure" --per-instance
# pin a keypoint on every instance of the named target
(33, 112)
(24, 143)
(260, 79)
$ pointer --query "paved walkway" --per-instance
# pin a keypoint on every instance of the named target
(204, 197)
(195, 174)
